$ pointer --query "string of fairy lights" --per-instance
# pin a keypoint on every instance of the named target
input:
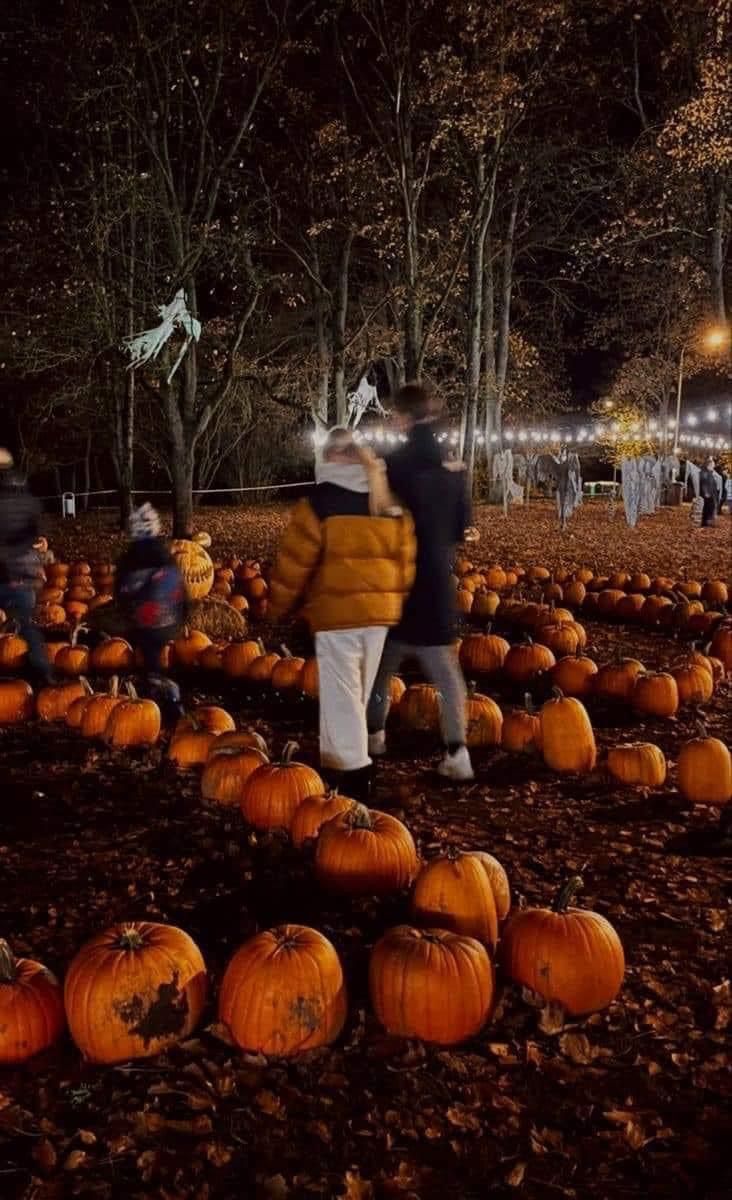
(692, 434)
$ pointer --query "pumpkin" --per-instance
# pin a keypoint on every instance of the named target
(528, 660)
(694, 682)
(629, 608)
(75, 711)
(73, 660)
(273, 792)
(653, 610)
(715, 592)
(483, 720)
(608, 602)
(567, 738)
(13, 652)
(313, 813)
(619, 580)
(705, 770)
(661, 585)
(431, 984)
(134, 722)
(397, 689)
(134, 990)
(419, 708)
(112, 654)
(208, 717)
(16, 702)
(537, 574)
(284, 993)
(202, 538)
(584, 575)
(485, 604)
(464, 601)
(50, 595)
(94, 718)
(574, 593)
(561, 639)
(552, 593)
(31, 1007)
(574, 675)
(195, 566)
(241, 739)
(310, 679)
(286, 674)
(521, 733)
(239, 656)
(188, 646)
(190, 748)
(616, 680)
(457, 892)
(569, 956)
(721, 646)
(239, 603)
(483, 653)
(495, 578)
(261, 668)
(227, 771)
(689, 587)
(211, 657)
(656, 694)
(641, 764)
(364, 852)
(53, 702)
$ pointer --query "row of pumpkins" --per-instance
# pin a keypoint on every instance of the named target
(138, 987)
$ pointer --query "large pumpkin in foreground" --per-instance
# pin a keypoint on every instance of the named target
(31, 1007)
(195, 566)
(134, 990)
(458, 892)
(431, 984)
(568, 955)
(283, 992)
(363, 852)
(272, 793)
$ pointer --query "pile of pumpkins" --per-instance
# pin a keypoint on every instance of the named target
(689, 606)
(138, 987)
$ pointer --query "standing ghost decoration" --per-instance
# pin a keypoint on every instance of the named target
(147, 345)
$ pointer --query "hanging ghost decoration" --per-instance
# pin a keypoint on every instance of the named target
(630, 473)
(145, 346)
(564, 473)
(364, 399)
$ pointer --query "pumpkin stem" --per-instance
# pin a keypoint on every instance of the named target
(86, 685)
(130, 939)
(290, 749)
(114, 686)
(566, 893)
(529, 703)
(7, 963)
(557, 693)
(131, 691)
(358, 816)
(701, 728)
(285, 652)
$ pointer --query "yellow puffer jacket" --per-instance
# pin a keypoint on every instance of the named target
(343, 568)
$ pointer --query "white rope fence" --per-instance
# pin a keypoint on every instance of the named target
(68, 499)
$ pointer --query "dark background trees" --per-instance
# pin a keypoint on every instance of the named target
(515, 201)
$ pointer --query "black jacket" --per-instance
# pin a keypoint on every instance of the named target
(438, 501)
(707, 484)
(20, 524)
(142, 555)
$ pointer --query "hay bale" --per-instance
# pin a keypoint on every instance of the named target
(217, 619)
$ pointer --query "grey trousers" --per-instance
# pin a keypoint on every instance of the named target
(439, 664)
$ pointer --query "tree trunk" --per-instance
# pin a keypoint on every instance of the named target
(340, 319)
(473, 347)
(87, 474)
(126, 447)
(489, 349)
(183, 467)
(321, 340)
(504, 325)
(719, 214)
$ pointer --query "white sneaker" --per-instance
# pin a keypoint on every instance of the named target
(377, 744)
(457, 766)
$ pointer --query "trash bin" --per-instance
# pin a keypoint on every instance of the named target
(674, 494)
(68, 505)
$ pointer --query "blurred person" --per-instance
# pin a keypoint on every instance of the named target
(435, 493)
(709, 490)
(20, 565)
(150, 590)
(347, 558)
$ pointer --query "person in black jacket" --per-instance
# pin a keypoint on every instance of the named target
(20, 565)
(708, 490)
(150, 590)
(435, 493)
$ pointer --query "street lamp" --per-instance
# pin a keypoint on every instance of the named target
(716, 338)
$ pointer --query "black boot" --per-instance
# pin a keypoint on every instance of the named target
(359, 785)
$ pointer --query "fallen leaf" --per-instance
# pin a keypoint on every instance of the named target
(276, 1187)
(75, 1160)
(515, 1177)
(356, 1187)
(578, 1048)
(270, 1104)
(551, 1018)
(461, 1117)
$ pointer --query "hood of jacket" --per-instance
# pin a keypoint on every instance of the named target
(351, 476)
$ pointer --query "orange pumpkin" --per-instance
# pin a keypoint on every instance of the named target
(716, 593)
(261, 668)
(431, 984)
(239, 656)
(272, 793)
(287, 673)
(134, 990)
(283, 992)
(134, 722)
(574, 675)
(656, 694)
(364, 852)
(73, 660)
(694, 682)
(419, 708)
(241, 739)
(313, 813)
(705, 771)
(75, 711)
(53, 702)
(188, 646)
(721, 646)
(457, 892)
(190, 748)
(521, 733)
(616, 680)
(208, 717)
(13, 652)
(527, 661)
(16, 702)
(483, 653)
(112, 654)
(226, 773)
(483, 720)
(31, 1008)
(567, 738)
(96, 713)
(641, 764)
(568, 956)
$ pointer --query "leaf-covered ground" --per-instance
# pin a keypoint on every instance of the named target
(634, 1102)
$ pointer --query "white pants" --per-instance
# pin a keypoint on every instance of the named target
(348, 660)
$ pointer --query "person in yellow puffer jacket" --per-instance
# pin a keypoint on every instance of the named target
(347, 563)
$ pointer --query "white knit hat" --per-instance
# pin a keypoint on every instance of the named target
(144, 522)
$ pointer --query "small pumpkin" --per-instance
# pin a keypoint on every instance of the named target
(75, 711)
(31, 1007)
(209, 717)
(695, 683)
(641, 764)
(284, 993)
(190, 747)
(457, 892)
(567, 737)
(272, 793)
(313, 813)
(705, 770)
(73, 660)
(574, 675)
(287, 673)
(188, 646)
(134, 722)
(616, 680)
(420, 707)
(569, 956)
(431, 984)
(114, 655)
(715, 592)
(238, 658)
(521, 733)
(485, 604)
(261, 668)
(528, 660)
(721, 646)
(364, 852)
(483, 653)
(211, 657)
(134, 990)
(97, 710)
(13, 652)
(483, 721)
(226, 773)
(655, 694)
(240, 739)
(574, 593)
(16, 702)
(561, 639)
(53, 702)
